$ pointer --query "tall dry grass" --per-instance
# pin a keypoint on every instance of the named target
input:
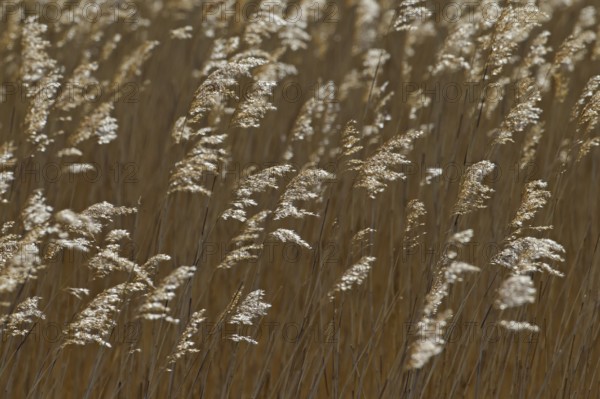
(299, 199)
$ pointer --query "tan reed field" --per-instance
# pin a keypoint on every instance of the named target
(300, 199)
